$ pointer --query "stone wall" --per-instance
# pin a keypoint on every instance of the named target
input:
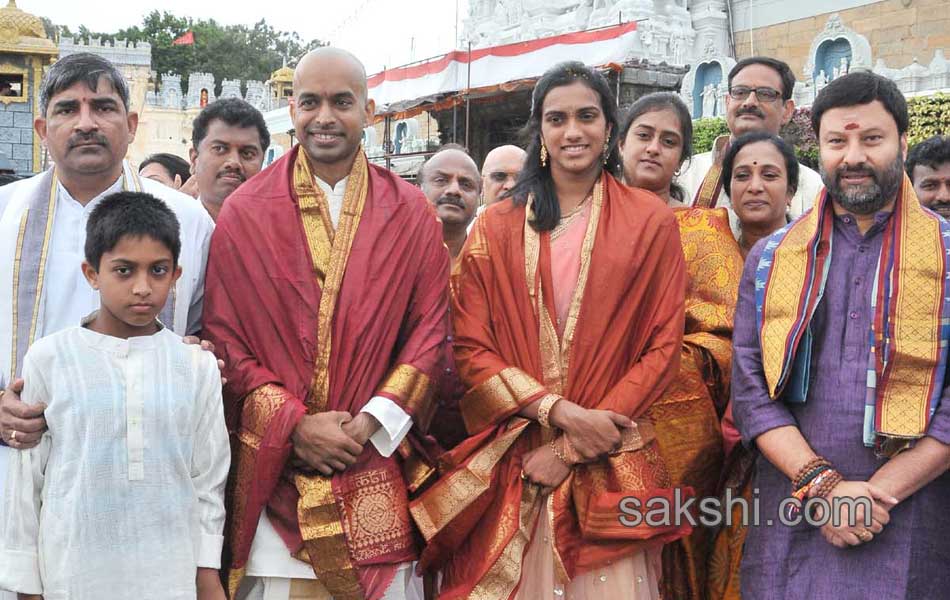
(16, 134)
(897, 33)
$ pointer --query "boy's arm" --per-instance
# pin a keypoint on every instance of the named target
(208, 585)
(20, 513)
(210, 461)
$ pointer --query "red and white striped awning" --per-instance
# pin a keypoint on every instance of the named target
(395, 89)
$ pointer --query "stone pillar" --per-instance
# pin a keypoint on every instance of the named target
(711, 24)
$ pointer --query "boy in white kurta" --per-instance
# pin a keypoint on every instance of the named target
(123, 498)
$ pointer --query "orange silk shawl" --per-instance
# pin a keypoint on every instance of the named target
(619, 351)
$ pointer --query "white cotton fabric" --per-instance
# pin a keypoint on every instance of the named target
(124, 496)
(67, 297)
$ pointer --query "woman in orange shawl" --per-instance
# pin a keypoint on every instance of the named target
(568, 314)
(656, 139)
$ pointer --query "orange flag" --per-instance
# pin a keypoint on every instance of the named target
(186, 39)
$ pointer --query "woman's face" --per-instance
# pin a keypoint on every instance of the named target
(760, 194)
(573, 128)
(652, 150)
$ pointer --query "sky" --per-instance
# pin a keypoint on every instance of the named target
(382, 33)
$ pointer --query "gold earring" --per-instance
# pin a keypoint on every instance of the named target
(544, 154)
(606, 151)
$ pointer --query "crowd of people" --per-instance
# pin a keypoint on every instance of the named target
(520, 382)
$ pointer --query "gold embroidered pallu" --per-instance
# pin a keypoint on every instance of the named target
(321, 524)
(303, 356)
(618, 351)
(686, 417)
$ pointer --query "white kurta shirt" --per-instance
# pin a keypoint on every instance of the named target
(124, 496)
(67, 295)
(269, 556)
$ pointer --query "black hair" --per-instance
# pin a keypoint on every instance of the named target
(232, 111)
(536, 180)
(780, 67)
(861, 87)
(85, 67)
(134, 214)
(931, 152)
(788, 154)
(663, 101)
(175, 165)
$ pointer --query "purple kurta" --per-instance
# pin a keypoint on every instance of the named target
(910, 559)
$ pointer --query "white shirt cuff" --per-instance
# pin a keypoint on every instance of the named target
(209, 551)
(20, 572)
(395, 424)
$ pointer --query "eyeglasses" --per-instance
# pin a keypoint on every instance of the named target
(763, 94)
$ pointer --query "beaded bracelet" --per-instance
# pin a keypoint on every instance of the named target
(812, 475)
(807, 468)
(544, 409)
(821, 489)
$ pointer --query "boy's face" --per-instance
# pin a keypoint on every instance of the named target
(133, 279)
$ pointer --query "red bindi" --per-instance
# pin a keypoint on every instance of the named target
(851, 126)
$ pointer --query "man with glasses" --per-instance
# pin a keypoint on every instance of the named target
(500, 171)
(759, 99)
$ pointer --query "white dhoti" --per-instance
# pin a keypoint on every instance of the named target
(405, 586)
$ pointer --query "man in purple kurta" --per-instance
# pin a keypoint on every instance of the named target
(860, 120)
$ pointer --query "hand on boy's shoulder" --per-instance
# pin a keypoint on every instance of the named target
(205, 345)
(21, 425)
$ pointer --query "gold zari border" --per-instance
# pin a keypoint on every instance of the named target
(434, 511)
(415, 389)
(503, 393)
(321, 522)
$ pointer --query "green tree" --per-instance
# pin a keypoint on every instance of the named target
(227, 52)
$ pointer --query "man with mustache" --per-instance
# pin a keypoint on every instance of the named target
(86, 125)
(759, 99)
(451, 183)
(928, 165)
(229, 137)
(328, 296)
(839, 371)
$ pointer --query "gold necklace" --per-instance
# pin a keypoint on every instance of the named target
(568, 218)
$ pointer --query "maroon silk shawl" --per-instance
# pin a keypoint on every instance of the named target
(261, 312)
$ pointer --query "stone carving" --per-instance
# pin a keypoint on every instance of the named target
(721, 90)
(911, 78)
(665, 28)
(835, 30)
(257, 96)
(230, 88)
(688, 89)
(198, 83)
(169, 94)
(843, 67)
(709, 101)
(820, 81)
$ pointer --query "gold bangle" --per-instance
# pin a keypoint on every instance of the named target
(544, 409)
(559, 454)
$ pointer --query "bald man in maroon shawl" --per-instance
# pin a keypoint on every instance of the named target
(327, 298)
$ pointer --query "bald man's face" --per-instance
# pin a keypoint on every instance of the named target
(500, 171)
(450, 182)
(329, 108)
